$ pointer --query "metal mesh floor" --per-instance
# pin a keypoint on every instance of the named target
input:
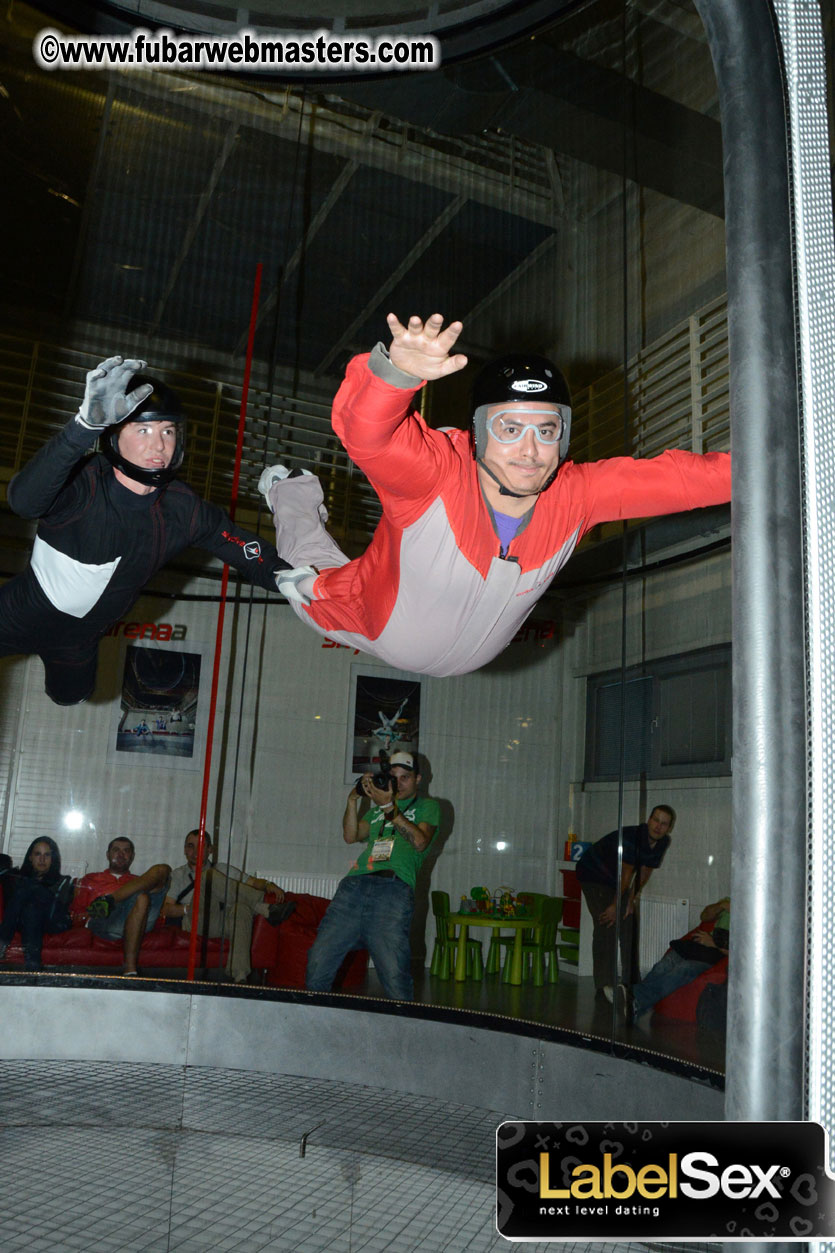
(122, 1158)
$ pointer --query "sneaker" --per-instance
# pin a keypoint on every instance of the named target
(278, 913)
(276, 474)
(626, 1008)
(101, 907)
(288, 582)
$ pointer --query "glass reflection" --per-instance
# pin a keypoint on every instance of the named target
(560, 231)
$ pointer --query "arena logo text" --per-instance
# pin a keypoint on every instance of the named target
(159, 631)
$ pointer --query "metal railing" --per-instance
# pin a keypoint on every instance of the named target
(676, 389)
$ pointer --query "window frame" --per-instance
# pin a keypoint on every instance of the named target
(717, 659)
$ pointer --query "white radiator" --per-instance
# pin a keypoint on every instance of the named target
(312, 884)
(662, 919)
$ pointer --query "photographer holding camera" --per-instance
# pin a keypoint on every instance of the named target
(374, 903)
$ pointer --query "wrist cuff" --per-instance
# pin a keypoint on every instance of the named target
(79, 427)
(381, 364)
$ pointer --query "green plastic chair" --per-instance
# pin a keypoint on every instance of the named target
(535, 902)
(539, 952)
(446, 943)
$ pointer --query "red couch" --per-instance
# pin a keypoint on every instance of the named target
(278, 953)
(682, 1003)
(296, 935)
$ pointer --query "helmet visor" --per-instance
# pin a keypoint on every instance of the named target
(510, 425)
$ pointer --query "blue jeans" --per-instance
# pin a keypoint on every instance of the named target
(113, 926)
(669, 973)
(373, 912)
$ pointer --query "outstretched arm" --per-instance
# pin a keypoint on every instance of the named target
(255, 558)
(266, 886)
(35, 489)
(373, 409)
(624, 487)
(609, 914)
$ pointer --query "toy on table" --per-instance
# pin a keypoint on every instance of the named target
(500, 904)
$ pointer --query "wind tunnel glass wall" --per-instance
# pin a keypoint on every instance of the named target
(562, 196)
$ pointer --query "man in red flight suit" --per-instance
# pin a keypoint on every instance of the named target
(475, 525)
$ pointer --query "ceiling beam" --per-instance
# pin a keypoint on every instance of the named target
(416, 156)
(439, 224)
(194, 225)
(555, 100)
(317, 222)
(612, 122)
(531, 260)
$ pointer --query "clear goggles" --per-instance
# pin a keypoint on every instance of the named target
(509, 426)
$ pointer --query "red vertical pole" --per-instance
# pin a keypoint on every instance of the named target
(233, 504)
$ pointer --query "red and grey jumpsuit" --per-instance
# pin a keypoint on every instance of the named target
(433, 592)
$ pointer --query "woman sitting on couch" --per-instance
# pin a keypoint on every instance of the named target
(40, 898)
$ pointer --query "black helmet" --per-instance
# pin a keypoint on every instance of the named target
(514, 379)
(162, 404)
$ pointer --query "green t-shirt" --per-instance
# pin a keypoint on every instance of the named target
(404, 860)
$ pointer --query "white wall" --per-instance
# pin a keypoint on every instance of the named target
(503, 746)
(490, 740)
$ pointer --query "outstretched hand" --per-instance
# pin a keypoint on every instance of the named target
(423, 348)
(105, 400)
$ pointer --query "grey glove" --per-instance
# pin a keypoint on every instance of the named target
(296, 583)
(105, 401)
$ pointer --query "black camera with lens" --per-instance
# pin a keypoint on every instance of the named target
(384, 779)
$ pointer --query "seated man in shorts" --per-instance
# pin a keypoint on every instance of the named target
(120, 905)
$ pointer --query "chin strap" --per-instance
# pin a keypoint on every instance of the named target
(505, 491)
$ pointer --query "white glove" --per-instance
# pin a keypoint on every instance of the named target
(105, 401)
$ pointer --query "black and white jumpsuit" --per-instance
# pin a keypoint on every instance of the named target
(98, 543)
